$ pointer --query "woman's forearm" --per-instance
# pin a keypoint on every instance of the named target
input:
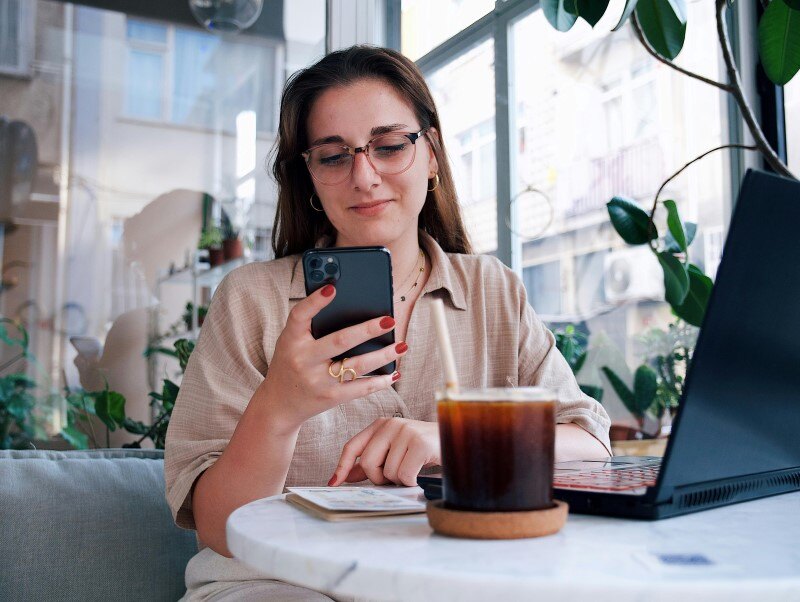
(254, 465)
(574, 443)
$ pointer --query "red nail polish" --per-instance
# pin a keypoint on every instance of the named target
(395, 377)
(401, 347)
(387, 322)
(332, 481)
(327, 290)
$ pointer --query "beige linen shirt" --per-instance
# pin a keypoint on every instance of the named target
(497, 337)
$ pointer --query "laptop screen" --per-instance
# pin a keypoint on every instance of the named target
(740, 413)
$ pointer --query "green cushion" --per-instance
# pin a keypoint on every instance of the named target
(89, 525)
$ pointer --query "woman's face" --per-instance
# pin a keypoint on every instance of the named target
(368, 208)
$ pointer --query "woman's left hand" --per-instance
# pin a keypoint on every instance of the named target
(390, 450)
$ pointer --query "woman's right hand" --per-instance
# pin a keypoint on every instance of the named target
(298, 384)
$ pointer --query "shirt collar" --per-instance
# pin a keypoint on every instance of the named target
(442, 275)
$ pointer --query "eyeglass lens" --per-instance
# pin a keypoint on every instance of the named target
(390, 154)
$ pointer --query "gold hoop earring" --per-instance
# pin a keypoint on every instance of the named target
(311, 202)
(435, 182)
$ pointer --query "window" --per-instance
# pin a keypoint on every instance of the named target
(190, 77)
(601, 118)
(160, 118)
(17, 19)
(468, 131)
(543, 283)
(591, 116)
(425, 24)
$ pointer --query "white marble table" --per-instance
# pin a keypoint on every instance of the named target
(748, 551)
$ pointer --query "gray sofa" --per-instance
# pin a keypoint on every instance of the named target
(88, 525)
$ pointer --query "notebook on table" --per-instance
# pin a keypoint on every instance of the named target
(736, 435)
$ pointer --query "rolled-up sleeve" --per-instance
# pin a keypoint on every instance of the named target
(223, 372)
(541, 364)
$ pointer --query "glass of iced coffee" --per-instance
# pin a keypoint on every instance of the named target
(498, 448)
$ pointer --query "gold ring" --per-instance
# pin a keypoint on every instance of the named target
(343, 371)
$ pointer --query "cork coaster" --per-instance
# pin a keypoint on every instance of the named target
(496, 525)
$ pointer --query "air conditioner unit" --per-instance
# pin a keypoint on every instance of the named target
(632, 274)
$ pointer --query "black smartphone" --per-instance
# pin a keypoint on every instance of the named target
(363, 280)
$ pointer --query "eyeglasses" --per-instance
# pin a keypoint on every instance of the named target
(388, 154)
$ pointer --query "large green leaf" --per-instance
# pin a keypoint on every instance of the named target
(676, 278)
(675, 225)
(779, 41)
(630, 221)
(593, 391)
(663, 25)
(561, 14)
(591, 10)
(645, 385)
(693, 308)
(630, 5)
(101, 409)
(625, 394)
(75, 438)
(20, 336)
(671, 245)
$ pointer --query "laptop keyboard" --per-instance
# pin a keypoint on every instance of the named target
(609, 479)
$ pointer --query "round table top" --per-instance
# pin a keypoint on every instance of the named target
(747, 551)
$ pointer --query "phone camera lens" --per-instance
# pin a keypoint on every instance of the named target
(317, 276)
(331, 269)
(315, 263)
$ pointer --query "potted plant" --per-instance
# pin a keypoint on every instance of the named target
(232, 246)
(211, 239)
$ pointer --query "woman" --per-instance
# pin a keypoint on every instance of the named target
(259, 408)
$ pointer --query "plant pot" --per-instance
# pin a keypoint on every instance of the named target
(232, 248)
(216, 257)
(623, 432)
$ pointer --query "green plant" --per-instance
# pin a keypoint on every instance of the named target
(107, 405)
(660, 27)
(16, 411)
(18, 423)
(687, 288)
(639, 400)
(210, 238)
(229, 231)
(572, 343)
(163, 402)
(669, 353)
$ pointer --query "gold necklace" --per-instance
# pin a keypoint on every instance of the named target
(416, 280)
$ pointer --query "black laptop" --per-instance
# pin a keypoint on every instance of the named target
(736, 436)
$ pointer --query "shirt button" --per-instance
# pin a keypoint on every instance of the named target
(398, 414)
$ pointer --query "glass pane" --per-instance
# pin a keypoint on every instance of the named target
(144, 89)
(425, 24)
(469, 136)
(193, 85)
(104, 254)
(791, 95)
(143, 31)
(598, 117)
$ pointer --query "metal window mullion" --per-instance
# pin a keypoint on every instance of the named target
(466, 39)
(505, 164)
(393, 13)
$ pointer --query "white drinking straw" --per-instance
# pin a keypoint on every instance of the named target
(446, 349)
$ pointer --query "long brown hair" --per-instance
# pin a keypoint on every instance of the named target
(297, 226)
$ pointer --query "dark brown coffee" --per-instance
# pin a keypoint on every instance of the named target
(498, 449)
